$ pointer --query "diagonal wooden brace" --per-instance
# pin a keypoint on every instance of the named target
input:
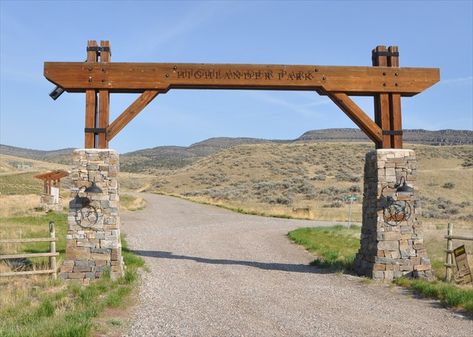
(134, 109)
(357, 115)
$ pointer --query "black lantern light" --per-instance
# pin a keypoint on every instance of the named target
(93, 188)
(85, 209)
(396, 208)
(404, 188)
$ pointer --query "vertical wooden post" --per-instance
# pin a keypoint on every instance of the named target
(52, 249)
(381, 101)
(90, 99)
(449, 259)
(395, 102)
(104, 100)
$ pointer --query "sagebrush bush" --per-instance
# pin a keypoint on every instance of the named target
(448, 185)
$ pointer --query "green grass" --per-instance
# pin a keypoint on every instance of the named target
(59, 309)
(20, 183)
(132, 203)
(449, 295)
(35, 227)
(335, 247)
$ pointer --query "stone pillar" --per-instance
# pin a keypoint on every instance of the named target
(391, 240)
(93, 238)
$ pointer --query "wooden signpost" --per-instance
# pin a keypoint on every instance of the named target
(98, 77)
(463, 274)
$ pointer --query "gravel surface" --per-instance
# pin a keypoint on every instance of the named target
(217, 273)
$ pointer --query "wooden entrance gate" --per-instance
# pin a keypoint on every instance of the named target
(385, 81)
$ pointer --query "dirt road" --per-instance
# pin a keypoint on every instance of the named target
(217, 273)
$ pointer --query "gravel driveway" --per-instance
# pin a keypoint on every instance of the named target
(221, 274)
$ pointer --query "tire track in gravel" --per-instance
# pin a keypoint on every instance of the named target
(217, 273)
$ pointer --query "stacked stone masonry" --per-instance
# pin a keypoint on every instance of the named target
(392, 246)
(93, 238)
(49, 203)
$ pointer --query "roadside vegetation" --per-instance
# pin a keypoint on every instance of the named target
(58, 309)
(131, 202)
(39, 306)
(335, 248)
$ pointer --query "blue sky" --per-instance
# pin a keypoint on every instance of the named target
(428, 33)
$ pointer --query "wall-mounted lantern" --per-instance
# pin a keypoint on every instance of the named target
(402, 189)
(84, 209)
(396, 207)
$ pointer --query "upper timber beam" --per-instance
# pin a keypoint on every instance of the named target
(138, 77)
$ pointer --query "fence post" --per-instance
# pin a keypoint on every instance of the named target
(449, 259)
(52, 248)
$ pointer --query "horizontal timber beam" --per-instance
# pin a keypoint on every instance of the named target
(139, 77)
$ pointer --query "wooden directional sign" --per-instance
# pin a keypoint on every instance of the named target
(463, 274)
(385, 81)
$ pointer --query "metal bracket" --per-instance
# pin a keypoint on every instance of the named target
(385, 53)
(96, 130)
(98, 49)
(392, 132)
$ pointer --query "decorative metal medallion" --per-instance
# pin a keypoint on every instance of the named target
(397, 208)
(86, 215)
(396, 211)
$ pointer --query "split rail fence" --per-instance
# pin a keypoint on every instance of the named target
(52, 254)
(449, 251)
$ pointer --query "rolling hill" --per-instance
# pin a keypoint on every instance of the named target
(173, 157)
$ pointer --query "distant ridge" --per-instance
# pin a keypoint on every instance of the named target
(416, 136)
(62, 156)
(171, 157)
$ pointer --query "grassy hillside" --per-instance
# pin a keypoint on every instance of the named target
(17, 175)
(298, 179)
(62, 156)
(413, 136)
(313, 180)
(174, 157)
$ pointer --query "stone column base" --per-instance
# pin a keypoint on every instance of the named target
(93, 239)
(392, 244)
(48, 203)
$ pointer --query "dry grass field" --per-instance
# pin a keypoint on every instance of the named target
(313, 180)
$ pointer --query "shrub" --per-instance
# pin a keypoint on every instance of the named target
(468, 162)
(448, 185)
(443, 203)
(334, 204)
(344, 176)
(355, 189)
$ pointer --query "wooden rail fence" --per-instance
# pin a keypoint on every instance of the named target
(449, 251)
(51, 254)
